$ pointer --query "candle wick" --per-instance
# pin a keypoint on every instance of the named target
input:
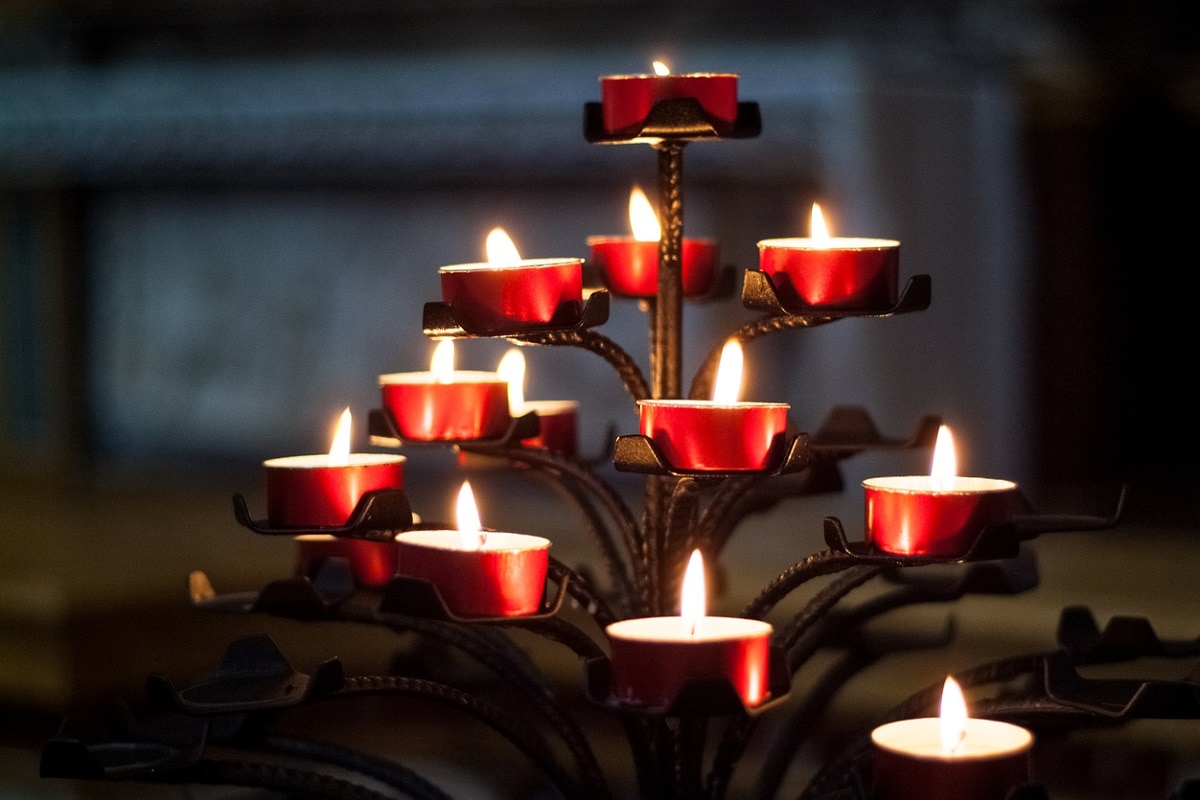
(482, 538)
(962, 737)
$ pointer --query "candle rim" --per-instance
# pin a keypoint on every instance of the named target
(321, 461)
(597, 239)
(957, 484)
(525, 263)
(549, 407)
(686, 403)
(831, 243)
(496, 541)
(750, 628)
(454, 376)
(642, 75)
(1021, 742)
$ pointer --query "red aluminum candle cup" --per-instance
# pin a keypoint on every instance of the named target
(630, 267)
(372, 564)
(834, 273)
(503, 298)
(467, 405)
(313, 492)
(558, 426)
(908, 762)
(917, 515)
(505, 577)
(626, 100)
(653, 658)
(718, 437)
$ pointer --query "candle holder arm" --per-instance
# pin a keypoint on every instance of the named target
(627, 369)
(378, 516)
(580, 590)
(819, 605)
(825, 562)
(1122, 639)
(759, 294)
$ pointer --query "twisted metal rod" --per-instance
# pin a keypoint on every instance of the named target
(702, 383)
(581, 591)
(824, 562)
(272, 777)
(627, 369)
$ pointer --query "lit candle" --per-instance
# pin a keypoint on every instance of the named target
(629, 264)
(950, 757)
(940, 514)
(831, 272)
(626, 100)
(654, 658)
(508, 294)
(315, 491)
(557, 419)
(446, 404)
(478, 573)
(722, 434)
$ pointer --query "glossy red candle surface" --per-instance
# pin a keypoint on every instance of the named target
(505, 577)
(839, 273)
(626, 100)
(920, 515)
(630, 267)
(653, 658)
(464, 405)
(559, 426)
(504, 298)
(908, 762)
(315, 491)
(372, 564)
(717, 437)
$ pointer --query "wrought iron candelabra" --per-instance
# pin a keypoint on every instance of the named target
(691, 747)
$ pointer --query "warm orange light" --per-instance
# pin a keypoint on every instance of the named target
(642, 219)
(500, 248)
(953, 717)
(442, 362)
(512, 370)
(339, 450)
(729, 374)
(818, 230)
(661, 68)
(945, 462)
(692, 601)
(467, 515)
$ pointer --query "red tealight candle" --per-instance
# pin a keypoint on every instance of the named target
(653, 658)
(557, 419)
(445, 404)
(626, 100)
(949, 757)
(322, 490)
(371, 563)
(477, 573)
(509, 294)
(629, 265)
(718, 435)
(940, 514)
(827, 272)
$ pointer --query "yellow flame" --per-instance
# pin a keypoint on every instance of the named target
(945, 461)
(818, 229)
(442, 362)
(953, 719)
(692, 601)
(660, 68)
(512, 370)
(729, 374)
(339, 450)
(500, 248)
(467, 515)
(642, 218)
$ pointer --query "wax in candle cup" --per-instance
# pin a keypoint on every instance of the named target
(704, 435)
(558, 423)
(924, 515)
(630, 267)
(505, 576)
(459, 405)
(371, 563)
(626, 100)
(910, 763)
(493, 298)
(653, 658)
(314, 491)
(835, 273)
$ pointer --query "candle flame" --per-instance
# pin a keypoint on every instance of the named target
(442, 362)
(661, 68)
(512, 370)
(945, 462)
(642, 218)
(691, 598)
(339, 450)
(818, 229)
(729, 374)
(953, 719)
(467, 514)
(500, 248)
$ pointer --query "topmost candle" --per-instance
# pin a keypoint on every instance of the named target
(626, 100)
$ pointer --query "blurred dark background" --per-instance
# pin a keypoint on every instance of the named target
(219, 223)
